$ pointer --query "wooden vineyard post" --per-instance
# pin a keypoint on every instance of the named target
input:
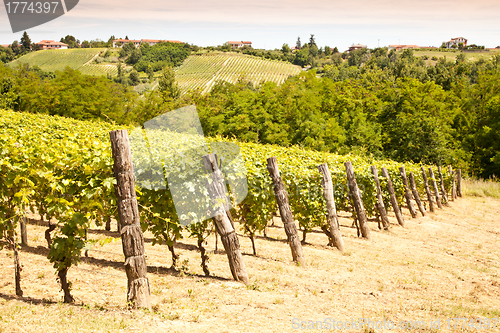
(416, 195)
(132, 238)
(394, 200)
(222, 220)
(333, 219)
(459, 182)
(380, 200)
(436, 190)
(24, 231)
(357, 201)
(443, 190)
(427, 190)
(285, 210)
(409, 201)
(453, 183)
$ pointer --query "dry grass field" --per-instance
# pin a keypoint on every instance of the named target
(444, 265)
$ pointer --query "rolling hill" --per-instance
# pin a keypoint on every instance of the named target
(197, 71)
(79, 59)
(203, 71)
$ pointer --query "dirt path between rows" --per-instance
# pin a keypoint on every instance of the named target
(445, 265)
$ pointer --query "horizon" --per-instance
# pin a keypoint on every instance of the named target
(269, 25)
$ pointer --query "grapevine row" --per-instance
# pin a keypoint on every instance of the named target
(62, 168)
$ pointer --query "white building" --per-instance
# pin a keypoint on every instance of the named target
(236, 45)
(456, 41)
(51, 45)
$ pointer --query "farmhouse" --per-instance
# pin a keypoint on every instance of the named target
(137, 42)
(51, 45)
(236, 45)
(355, 47)
(456, 41)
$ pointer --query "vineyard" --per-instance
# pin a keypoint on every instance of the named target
(62, 169)
(58, 60)
(203, 71)
(99, 69)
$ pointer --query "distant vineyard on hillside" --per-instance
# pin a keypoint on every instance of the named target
(54, 60)
(203, 71)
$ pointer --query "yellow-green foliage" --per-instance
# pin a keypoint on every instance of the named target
(63, 167)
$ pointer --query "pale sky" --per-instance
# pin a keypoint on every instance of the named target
(270, 23)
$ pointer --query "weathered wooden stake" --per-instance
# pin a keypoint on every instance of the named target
(132, 238)
(428, 191)
(436, 190)
(380, 201)
(108, 224)
(333, 219)
(453, 183)
(394, 200)
(24, 231)
(443, 190)
(408, 197)
(357, 201)
(222, 220)
(285, 211)
(459, 182)
(416, 195)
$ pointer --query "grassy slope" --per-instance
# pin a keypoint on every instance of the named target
(53, 60)
(451, 56)
(444, 265)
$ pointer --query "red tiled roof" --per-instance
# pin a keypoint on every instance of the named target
(239, 42)
(145, 40)
(126, 41)
(51, 42)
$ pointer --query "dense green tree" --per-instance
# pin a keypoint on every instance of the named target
(150, 73)
(298, 44)
(302, 56)
(26, 42)
(167, 85)
(127, 49)
(312, 41)
(16, 48)
(6, 54)
(134, 56)
(71, 94)
(71, 41)
(134, 77)
(162, 55)
(313, 51)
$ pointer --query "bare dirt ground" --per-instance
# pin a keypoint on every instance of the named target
(445, 265)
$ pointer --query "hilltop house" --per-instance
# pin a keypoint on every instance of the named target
(137, 42)
(51, 45)
(456, 41)
(236, 45)
(355, 47)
